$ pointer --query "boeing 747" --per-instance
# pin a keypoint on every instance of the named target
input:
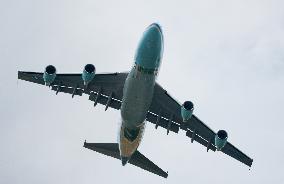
(139, 98)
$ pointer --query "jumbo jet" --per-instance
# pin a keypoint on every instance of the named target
(140, 99)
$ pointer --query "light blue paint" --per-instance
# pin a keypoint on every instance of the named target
(150, 48)
(88, 73)
(220, 143)
(87, 77)
(48, 78)
(49, 74)
(186, 114)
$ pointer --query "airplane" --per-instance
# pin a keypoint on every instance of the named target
(140, 99)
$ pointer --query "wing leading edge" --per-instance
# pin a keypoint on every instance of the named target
(107, 89)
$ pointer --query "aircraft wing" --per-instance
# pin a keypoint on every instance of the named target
(166, 107)
(105, 89)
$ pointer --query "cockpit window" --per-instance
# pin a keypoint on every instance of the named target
(146, 70)
(131, 134)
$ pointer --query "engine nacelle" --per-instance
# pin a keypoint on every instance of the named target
(186, 110)
(88, 73)
(49, 75)
(221, 139)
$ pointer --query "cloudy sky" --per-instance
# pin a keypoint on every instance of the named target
(226, 56)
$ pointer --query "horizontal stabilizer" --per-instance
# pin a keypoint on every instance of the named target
(137, 159)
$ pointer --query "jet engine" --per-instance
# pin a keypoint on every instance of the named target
(186, 110)
(49, 75)
(221, 139)
(88, 73)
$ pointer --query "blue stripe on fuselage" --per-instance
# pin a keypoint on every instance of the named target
(150, 48)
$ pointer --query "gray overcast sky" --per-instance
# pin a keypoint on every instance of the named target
(226, 56)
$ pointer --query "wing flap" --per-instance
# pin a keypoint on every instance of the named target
(114, 103)
(64, 89)
(162, 122)
(232, 151)
(200, 140)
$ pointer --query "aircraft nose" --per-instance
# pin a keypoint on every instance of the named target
(124, 160)
(156, 26)
(150, 48)
(154, 32)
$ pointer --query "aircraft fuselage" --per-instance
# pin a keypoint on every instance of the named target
(138, 91)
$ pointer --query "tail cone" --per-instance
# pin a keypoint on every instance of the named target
(124, 160)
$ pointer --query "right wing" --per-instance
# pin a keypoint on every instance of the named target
(167, 112)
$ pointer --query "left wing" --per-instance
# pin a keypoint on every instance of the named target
(106, 89)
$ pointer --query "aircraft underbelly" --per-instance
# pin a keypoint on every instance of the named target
(128, 147)
(137, 98)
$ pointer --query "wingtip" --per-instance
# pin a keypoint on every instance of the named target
(251, 164)
(124, 160)
(19, 73)
(166, 175)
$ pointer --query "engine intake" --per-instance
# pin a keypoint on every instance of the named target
(187, 110)
(88, 73)
(49, 74)
(221, 139)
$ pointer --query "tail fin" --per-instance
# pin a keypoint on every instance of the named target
(137, 159)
